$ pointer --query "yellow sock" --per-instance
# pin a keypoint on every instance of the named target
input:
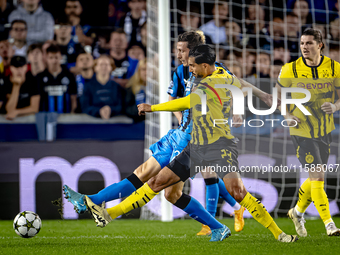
(137, 199)
(305, 197)
(259, 213)
(320, 200)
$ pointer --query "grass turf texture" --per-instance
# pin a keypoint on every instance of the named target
(153, 237)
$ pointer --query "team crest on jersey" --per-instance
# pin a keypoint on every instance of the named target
(309, 158)
(65, 81)
(325, 73)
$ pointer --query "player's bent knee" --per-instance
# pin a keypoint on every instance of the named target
(238, 192)
(172, 195)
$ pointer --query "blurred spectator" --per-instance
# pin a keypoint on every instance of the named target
(102, 97)
(291, 21)
(102, 45)
(84, 65)
(144, 36)
(68, 48)
(18, 35)
(137, 83)
(222, 53)
(57, 85)
(80, 32)
(40, 23)
(21, 90)
(136, 52)
(281, 53)
(133, 21)
(35, 59)
(45, 46)
(117, 9)
(256, 25)
(236, 69)
(215, 28)
(263, 64)
(320, 15)
(292, 26)
(275, 69)
(125, 66)
(234, 31)
(189, 20)
(334, 29)
(5, 9)
(277, 29)
(301, 10)
(248, 62)
(6, 53)
(334, 52)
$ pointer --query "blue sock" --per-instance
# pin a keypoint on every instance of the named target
(196, 211)
(212, 194)
(117, 190)
(225, 194)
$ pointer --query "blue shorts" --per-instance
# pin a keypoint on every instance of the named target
(169, 146)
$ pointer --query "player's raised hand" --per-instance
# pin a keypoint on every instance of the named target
(328, 107)
(238, 120)
(143, 108)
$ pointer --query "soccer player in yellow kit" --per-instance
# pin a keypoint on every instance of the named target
(311, 134)
(212, 146)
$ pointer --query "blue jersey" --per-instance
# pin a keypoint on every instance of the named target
(181, 87)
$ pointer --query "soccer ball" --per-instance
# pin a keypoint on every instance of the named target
(27, 224)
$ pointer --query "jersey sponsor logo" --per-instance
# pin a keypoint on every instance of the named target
(314, 85)
(57, 90)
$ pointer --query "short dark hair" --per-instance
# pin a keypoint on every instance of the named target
(203, 54)
(34, 46)
(18, 21)
(278, 62)
(119, 31)
(193, 38)
(53, 49)
(317, 35)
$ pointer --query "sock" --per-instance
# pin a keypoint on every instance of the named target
(196, 211)
(117, 190)
(211, 195)
(304, 197)
(226, 196)
(260, 214)
(137, 199)
(320, 200)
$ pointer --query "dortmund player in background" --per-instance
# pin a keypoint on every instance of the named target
(212, 145)
(311, 134)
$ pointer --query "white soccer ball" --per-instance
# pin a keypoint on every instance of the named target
(27, 224)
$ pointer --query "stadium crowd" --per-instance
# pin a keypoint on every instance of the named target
(61, 64)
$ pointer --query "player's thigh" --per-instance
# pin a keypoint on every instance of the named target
(174, 192)
(148, 169)
(165, 178)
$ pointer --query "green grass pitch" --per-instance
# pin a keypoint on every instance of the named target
(154, 237)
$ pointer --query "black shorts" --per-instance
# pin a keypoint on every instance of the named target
(221, 157)
(310, 151)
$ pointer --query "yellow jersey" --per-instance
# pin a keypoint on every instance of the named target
(208, 128)
(321, 81)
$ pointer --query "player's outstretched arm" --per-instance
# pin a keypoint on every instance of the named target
(171, 106)
(263, 96)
